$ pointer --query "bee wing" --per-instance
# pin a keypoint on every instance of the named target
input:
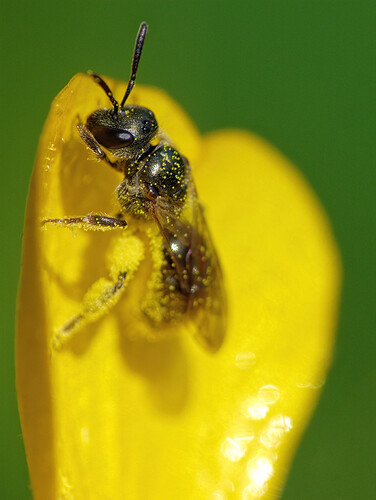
(211, 318)
(192, 252)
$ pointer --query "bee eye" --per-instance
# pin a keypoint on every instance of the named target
(112, 137)
(146, 128)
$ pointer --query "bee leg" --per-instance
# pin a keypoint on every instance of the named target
(90, 222)
(95, 147)
(103, 295)
(124, 258)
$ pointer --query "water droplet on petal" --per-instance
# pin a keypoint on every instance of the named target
(252, 408)
(245, 360)
(260, 470)
(268, 394)
(234, 448)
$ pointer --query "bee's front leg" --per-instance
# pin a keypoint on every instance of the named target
(96, 148)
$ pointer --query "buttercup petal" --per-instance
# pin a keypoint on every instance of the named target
(112, 415)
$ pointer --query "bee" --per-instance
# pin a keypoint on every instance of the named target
(158, 188)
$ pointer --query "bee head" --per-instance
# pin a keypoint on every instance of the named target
(123, 129)
(127, 131)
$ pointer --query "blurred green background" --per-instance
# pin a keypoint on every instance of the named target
(300, 73)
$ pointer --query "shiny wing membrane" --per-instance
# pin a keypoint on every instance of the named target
(192, 252)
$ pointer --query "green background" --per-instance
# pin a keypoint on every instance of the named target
(300, 73)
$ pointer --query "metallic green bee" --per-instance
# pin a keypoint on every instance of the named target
(158, 187)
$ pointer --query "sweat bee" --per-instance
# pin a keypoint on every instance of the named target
(157, 188)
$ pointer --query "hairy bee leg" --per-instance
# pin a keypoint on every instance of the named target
(95, 147)
(124, 258)
(98, 300)
(93, 222)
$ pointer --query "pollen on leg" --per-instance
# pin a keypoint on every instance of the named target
(160, 302)
(101, 297)
(151, 304)
(127, 253)
(124, 259)
(97, 302)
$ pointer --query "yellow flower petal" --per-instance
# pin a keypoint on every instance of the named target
(112, 415)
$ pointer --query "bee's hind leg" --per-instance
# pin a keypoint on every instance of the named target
(124, 258)
(99, 299)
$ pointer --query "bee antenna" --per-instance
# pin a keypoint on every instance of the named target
(136, 59)
(107, 90)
